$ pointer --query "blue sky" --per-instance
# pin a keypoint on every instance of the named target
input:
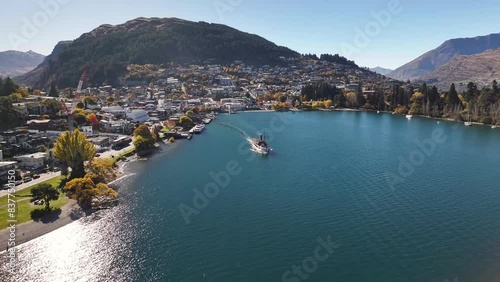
(314, 26)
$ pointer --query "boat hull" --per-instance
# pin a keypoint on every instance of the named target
(263, 150)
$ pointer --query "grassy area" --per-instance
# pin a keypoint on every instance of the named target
(123, 155)
(24, 207)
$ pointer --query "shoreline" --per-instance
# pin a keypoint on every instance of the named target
(70, 213)
(30, 230)
(369, 111)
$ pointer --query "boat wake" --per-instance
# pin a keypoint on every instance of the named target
(235, 128)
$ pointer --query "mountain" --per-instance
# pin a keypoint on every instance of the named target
(108, 49)
(450, 49)
(14, 63)
(41, 72)
(380, 70)
(481, 68)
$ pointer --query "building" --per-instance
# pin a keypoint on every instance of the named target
(44, 124)
(4, 170)
(13, 137)
(32, 160)
(140, 116)
(101, 141)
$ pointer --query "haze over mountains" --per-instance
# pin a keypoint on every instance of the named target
(381, 70)
(432, 60)
(14, 63)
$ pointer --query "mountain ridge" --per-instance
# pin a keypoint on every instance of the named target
(441, 55)
(480, 68)
(108, 49)
(381, 70)
(14, 63)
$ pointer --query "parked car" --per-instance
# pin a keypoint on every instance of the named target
(7, 186)
(27, 179)
(36, 176)
(18, 182)
(57, 169)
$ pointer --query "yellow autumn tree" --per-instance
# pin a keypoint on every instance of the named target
(83, 190)
(74, 149)
(328, 103)
(101, 169)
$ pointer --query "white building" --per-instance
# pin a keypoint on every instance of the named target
(116, 111)
(36, 159)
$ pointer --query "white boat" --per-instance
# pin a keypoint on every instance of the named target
(494, 126)
(260, 146)
(207, 120)
(468, 123)
(197, 129)
(409, 116)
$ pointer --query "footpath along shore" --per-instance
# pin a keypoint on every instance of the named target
(30, 230)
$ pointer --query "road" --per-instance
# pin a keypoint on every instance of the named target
(43, 177)
(115, 153)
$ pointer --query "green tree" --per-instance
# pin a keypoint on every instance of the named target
(452, 96)
(74, 150)
(8, 87)
(340, 100)
(143, 138)
(185, 121)
(53, 89)
(44, 192)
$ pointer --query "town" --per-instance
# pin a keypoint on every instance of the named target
(172, 101)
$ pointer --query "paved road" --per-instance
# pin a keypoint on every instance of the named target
(43, 177)
(115, 153)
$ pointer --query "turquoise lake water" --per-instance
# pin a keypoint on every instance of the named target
(398, 199)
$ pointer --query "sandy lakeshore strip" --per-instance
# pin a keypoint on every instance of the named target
(32, 229)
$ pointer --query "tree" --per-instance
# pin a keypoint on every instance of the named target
(340, 100)
(79, 116)
(471, 92)
(44, 192)
(53, 89)
(143, 138)
(87, 100)
(101, 170)
(452, 97)
(8, 87)
(74, 149)
(84, 189)
(328, 103)
(185, 121)
(92, 119)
